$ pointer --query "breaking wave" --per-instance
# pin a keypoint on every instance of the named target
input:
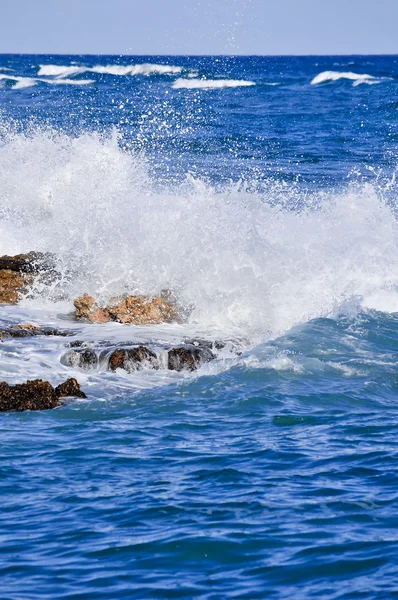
(357, 78)
(236, 259)
(210, 84)
(24, 82)
(61, 71)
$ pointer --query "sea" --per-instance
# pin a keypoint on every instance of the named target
(262, 193)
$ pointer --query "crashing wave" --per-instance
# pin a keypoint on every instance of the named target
(239, 259)
(210, 84)
(61, 71)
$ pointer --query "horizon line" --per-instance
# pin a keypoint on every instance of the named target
(194, 55)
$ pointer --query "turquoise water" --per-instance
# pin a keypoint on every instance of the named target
(271, 210)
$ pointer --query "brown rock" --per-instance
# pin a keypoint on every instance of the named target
(18, 272)
(12, 284)
(28, 327)
(36, 395)
(132, 359)
(137, 310)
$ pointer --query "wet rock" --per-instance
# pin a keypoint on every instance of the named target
(31, 262)
(136, 310)
(86, 359)
(87, 310)
(132, 359)
(18, 272)
(36, 395)
(70, 387)
(12, 285)
(28, 330)
(188, 358)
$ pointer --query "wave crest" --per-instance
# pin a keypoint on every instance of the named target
(357, 78)
(61, 71)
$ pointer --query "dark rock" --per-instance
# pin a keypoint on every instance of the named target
(188, 358)
(132, 359)
(36, 395)
(86, 359)
(69, 388)
(28, 330)
(32, 262)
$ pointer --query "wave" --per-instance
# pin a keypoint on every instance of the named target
(61, 71)
(357, 78)
(238, 260)
(210, 84)
(24, 82)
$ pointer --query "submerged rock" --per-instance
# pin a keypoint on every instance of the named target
(136, 310)
(18, 272)
(36, 395)
(27, 330)
(132, 359)
(188, 358)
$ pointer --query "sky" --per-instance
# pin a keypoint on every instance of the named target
(265, 27)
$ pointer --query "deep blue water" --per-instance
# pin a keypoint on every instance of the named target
(271, 210)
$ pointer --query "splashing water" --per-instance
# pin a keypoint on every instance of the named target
(238, 258)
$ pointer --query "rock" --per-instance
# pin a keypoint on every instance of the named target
(132, 359)
(70, 387)
(188, 358)
(12, 284)
(28, 330)
(136, 310)
(87, 310)
(86, 359)
(36, 395)
(18, 272)
(32, 262)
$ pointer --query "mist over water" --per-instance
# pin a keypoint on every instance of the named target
(262, 192)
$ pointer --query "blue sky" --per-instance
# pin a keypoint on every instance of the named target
(200, 26)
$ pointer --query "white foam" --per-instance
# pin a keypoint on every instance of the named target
(357, 78)
(210, 84)
(61, 71)
(24, 82)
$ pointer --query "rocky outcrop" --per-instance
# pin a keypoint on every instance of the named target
(36, 395)
(18, 272)
(136, 310)
(187, 357)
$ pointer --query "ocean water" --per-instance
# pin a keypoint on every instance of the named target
(263, 192)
